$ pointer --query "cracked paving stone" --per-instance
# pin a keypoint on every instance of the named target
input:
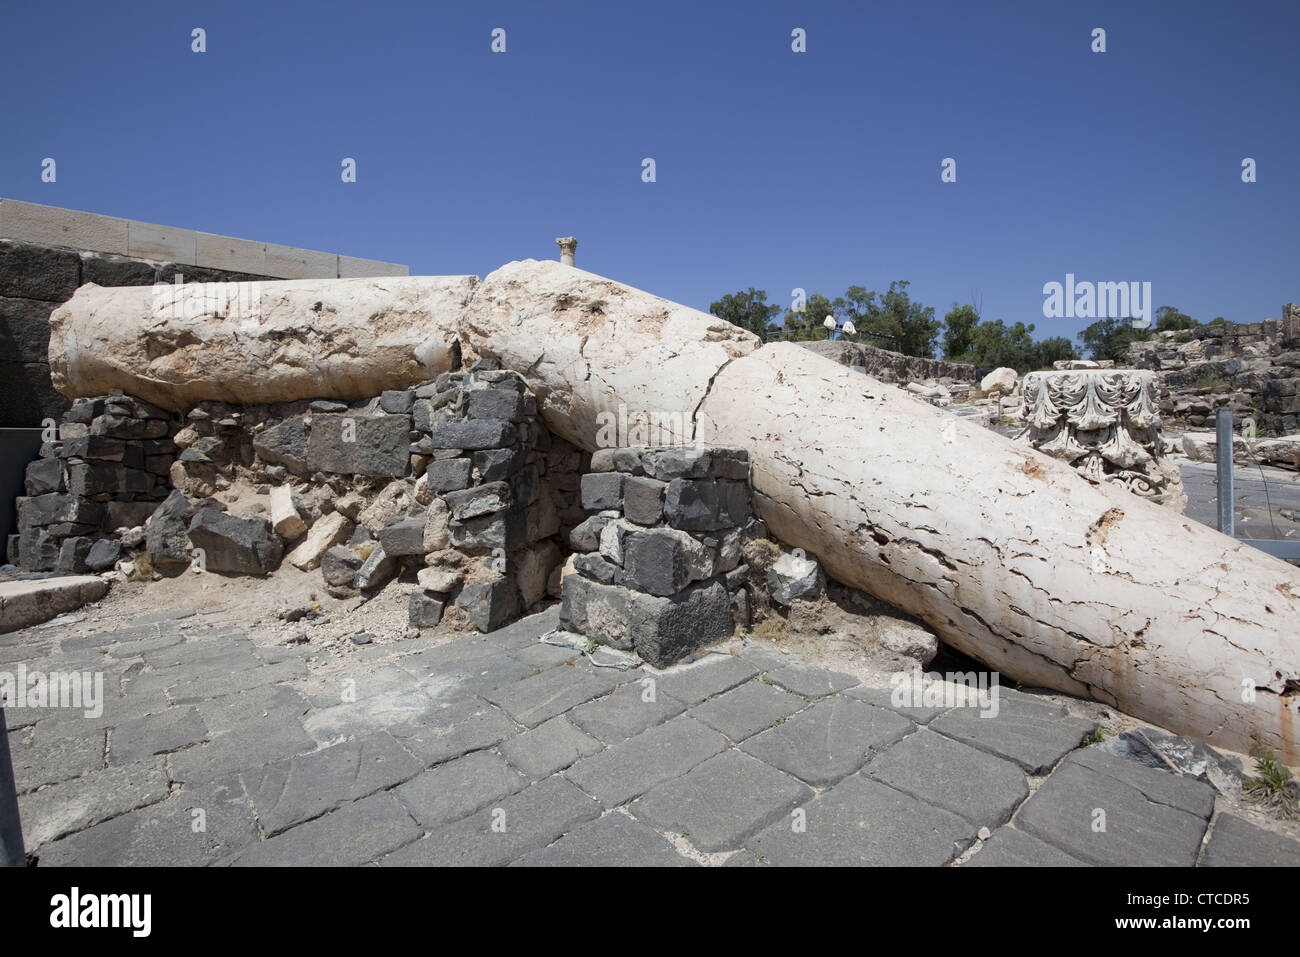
(289, 792)
(352, 835)
(549, 747)
(451, 731)
(1152, 818)
(714, 674)
(1032, 732)
(618, 774)
(459, 788)
(168, 730)
(116, 710)
(980, 787)
(164, 834)
(554, 691)
(61, 809)
(748, 709)
(191, 692)
(627, 712)
(861, 822)
(883, 698)
(810, 681)
(503, 831)
(264, 703)
(719, 803)
(1238, 843)
(614, 840)
(54, 761)
(1008, 847)
(244, 747)
(828, 741)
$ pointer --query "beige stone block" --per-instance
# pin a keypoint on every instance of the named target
(352, 268)
(161, 243)
(236, 255)
(286, 262)
(52, 226)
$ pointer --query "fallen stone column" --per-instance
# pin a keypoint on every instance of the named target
(1006, 553)
(249, 342)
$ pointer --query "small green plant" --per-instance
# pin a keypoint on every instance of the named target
(1182, 336)
(591, 646)
(1273, 787)
(1210, 381)
(1096, 736)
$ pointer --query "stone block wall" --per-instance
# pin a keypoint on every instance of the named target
(107, 469)
(659, 565)
(892, 367)
(1255, 367)
(455, 486)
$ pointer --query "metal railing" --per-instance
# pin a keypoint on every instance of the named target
(1277, 547)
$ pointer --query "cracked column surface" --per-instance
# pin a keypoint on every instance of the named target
(1006, 553)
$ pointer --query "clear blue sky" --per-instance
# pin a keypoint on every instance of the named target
(774, 169)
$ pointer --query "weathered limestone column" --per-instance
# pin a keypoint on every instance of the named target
(1106, 424)
(568, 246)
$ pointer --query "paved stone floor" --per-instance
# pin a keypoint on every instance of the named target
(502, 750)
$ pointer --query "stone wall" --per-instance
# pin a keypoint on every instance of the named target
(1255, 367)
(456, 485)
(660, 567)
(892, 367)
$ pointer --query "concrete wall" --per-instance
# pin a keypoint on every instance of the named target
(52, 226)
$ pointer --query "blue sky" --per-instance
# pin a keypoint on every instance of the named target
(774, 169)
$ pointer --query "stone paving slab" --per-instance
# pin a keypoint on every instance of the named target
(748, 709)
(860, 822)
(1008, 847)
(549, 747)
(554, 691)
(250, 745)
(620, 773)
(828, 741)
(458, 788)
(719, 803)
(166, 834)
(1237, 843)
(712, 675)
(631, 709)
(289, 792)
(470, 725)
(1033, 733)
(614, 840)
(809, 680)
(66, 758)
(352, 835)
(168, 730)
(954, 776)
(883, 698)
(52, 812)
(497, 835)
(498, 749)
(1151, 818)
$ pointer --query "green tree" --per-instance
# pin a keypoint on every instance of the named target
(807, 325)
(1110, 338)
(749, 310)
(1169, 319)
(958, 331)
(1052, 350)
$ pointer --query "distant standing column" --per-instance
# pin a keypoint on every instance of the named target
(568, 246)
